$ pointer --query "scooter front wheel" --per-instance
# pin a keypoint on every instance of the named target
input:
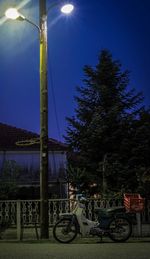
(120, 229)
(65, 230)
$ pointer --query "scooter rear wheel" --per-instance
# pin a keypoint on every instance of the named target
(120, 229)
(65, 230)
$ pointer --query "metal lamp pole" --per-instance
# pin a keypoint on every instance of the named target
(44, 222)
(12, 13)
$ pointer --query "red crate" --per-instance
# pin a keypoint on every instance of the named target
(133, 202)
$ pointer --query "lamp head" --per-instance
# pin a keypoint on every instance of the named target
(67, 9)
(12, 13)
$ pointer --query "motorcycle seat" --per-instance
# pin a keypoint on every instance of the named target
(116, 209)
(106, 211)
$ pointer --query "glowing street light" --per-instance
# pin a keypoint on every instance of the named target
(12, 13)
(67, 9)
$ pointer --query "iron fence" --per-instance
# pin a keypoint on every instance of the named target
(28, 211)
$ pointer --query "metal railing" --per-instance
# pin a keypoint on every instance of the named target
(25, 213)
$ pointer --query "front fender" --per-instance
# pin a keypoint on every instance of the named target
(70, 216)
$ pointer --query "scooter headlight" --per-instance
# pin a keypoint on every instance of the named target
(83, 200)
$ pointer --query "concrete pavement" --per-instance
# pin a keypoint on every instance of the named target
(44, 250)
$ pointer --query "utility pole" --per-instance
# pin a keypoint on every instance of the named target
(44, 219)
(13, 14)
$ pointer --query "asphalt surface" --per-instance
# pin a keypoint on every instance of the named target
(106, 250)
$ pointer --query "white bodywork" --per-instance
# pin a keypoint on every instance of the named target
(84, 223)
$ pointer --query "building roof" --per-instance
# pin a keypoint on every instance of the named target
(12, 138)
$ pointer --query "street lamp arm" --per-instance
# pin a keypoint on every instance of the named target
(34, 24)
(13, 14)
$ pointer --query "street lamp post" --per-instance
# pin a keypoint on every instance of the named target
(43, 122)
(13, 14)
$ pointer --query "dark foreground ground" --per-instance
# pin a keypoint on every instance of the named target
(133, 249)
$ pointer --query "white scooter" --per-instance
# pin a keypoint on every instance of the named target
(113, 222)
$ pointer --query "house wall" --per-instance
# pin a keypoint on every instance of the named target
(31, 160)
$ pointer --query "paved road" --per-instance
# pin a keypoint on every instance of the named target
(132, 250)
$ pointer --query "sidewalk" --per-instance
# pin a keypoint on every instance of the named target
(78, 240)
(30, 234)
(47, 250)
(10, 235)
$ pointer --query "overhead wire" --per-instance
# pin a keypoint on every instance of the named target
(62, 164)
(53, 96)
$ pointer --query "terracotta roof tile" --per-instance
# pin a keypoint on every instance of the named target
(10, 135)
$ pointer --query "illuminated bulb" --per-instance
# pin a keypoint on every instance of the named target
(67, 9)
(12, 13)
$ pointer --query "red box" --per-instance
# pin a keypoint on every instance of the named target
(133, 202)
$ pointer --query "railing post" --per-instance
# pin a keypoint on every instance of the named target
(139, 224)
(19, 220)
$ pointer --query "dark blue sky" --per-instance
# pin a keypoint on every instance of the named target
(121, 26)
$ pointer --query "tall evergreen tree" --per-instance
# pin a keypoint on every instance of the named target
(104, 125)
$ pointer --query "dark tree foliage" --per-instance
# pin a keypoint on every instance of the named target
(8, 180)
(109, 136)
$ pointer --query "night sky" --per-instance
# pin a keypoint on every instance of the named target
(121, 26)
